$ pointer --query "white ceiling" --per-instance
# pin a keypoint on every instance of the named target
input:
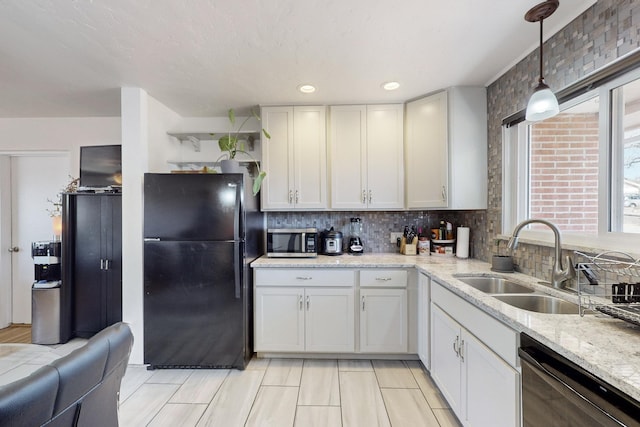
(201, 57)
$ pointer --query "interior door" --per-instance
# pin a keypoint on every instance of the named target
(34, 179)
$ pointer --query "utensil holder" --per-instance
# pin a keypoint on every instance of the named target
(409, 248)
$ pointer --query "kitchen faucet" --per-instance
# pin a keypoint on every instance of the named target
(558, 274)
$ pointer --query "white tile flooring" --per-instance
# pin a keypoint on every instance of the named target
(20, 360)
(270, 392)
(286, 392)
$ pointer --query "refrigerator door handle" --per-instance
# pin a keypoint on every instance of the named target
(239, 266)
(151, 239)
(236, 220)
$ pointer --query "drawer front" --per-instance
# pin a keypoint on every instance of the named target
(381, 278)
(304, 277)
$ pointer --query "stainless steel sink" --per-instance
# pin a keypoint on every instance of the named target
(540, 303)
(494, 285)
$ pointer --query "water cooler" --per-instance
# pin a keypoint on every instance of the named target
(45, 293)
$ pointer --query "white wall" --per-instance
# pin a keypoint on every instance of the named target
(135, 155)
(58, 134)
(161, 146)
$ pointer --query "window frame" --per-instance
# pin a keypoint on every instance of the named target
(515, 173)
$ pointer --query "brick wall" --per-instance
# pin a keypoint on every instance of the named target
(564, 172)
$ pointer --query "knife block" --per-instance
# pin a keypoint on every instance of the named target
(409, 248)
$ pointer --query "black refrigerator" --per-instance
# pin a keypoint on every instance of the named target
(201, 231)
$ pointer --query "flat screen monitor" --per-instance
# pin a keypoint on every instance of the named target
(101, 166)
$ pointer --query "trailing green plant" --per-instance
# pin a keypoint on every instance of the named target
(233, 143)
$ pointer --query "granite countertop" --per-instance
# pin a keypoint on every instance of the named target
(607, 347)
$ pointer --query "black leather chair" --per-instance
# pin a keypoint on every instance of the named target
(80, 389)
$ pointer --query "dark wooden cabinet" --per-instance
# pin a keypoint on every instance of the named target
(92, 260)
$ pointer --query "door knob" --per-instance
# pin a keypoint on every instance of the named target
(14, 249)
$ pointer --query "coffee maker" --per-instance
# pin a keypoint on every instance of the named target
(355, 241)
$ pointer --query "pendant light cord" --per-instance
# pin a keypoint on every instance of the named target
(541, 79)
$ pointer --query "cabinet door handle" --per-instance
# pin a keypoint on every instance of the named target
(106, 264)
(297, 196)
(461, 350)
(364, 197)
(290, 196)
(444, 194)
(370, 196)
(363, 303)
(304, 277)
(14, 249)
(300, 301)
(101, 264)
(307, 302)
(456, 346)
(383, 279)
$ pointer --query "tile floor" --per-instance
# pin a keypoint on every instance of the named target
(286, 392)
(20, 360)
(270, 392)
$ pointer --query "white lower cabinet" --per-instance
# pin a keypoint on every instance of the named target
(329, 320)
(383, 320)
(279, 319)
(481, 388)
(297, 310)
(446, 368)
(423, 310)
(304, 319)
(315, 311)
(383, 311)
(492, 387)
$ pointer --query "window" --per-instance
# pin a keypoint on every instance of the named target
(563, 174)
(626, 157)
(579, 170)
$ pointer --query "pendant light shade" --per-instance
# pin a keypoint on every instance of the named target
(543, 103)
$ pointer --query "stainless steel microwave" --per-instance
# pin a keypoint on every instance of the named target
(292, 242)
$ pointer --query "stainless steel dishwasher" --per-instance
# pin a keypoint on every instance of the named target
(557, 392)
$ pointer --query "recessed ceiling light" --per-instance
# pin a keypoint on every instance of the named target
(390, 85)
(307, 88)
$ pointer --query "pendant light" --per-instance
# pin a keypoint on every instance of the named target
(543, 103)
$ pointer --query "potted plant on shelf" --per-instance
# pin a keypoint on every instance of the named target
(232, 144)
(56, 212)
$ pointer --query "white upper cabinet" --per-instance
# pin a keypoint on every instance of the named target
(366, 157)
(446, 150)
(295, 158)
(426, 151)
(348, 156)
(385, 165)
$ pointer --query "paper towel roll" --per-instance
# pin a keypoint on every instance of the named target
(462, 245)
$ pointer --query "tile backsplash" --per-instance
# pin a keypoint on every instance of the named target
(377, 226)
